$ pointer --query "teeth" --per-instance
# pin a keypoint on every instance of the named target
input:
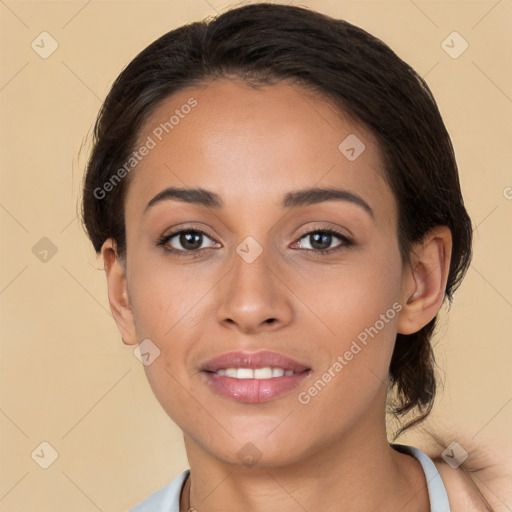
(262, 373)
(257, 373)
(277, 372)
(245, 373)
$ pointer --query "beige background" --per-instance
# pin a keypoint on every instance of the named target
(67, 379)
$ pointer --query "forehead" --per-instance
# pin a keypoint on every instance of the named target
(248, 144)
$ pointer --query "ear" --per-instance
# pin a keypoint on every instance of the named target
(425, 280)
(117, 292)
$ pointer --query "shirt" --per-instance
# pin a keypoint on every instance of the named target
(167, 499)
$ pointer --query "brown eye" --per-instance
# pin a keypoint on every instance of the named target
(186, 240)
(190, 240)
(321, 240)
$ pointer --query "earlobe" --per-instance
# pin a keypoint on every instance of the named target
(425, 280)
(118, 292)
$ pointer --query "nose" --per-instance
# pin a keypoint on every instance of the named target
(253, 297)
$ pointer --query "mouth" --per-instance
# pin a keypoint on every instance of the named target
(253, 377)
(257, 373)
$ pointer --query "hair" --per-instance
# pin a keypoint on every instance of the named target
(269, 43)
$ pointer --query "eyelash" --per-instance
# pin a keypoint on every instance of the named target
(162, 241)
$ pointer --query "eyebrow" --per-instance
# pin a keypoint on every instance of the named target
(294, 199)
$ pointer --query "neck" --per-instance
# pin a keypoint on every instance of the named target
(359, 472)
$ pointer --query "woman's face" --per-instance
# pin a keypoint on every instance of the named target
(255, 291)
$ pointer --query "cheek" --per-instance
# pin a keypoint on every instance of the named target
(350, 298)
(352, 379)
(360, 306)
(167, 300)
(168, 311)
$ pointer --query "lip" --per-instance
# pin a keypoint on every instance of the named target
(241, 359)
(253, 390)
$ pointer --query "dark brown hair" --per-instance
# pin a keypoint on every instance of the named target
(267, 43)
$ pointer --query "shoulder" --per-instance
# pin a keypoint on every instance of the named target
(463, 494)
(483, 482)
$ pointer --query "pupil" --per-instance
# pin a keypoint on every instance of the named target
(190, 240)
(319, 239)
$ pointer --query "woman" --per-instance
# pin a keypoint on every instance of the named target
(277, 203)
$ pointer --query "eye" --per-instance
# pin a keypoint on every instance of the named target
(186, 240)
(320, 241)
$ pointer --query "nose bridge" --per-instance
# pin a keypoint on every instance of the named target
(253, 297)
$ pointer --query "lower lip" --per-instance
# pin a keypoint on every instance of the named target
(253, 391)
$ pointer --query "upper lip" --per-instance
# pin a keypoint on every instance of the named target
(262, 359)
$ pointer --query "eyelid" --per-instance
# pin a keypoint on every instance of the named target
(164, 240)
(346, 237)
(346, 240)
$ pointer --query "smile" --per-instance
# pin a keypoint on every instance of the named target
(253, 377)
(258, 373)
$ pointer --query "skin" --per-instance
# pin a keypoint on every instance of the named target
(251, 147)
(483, 482)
